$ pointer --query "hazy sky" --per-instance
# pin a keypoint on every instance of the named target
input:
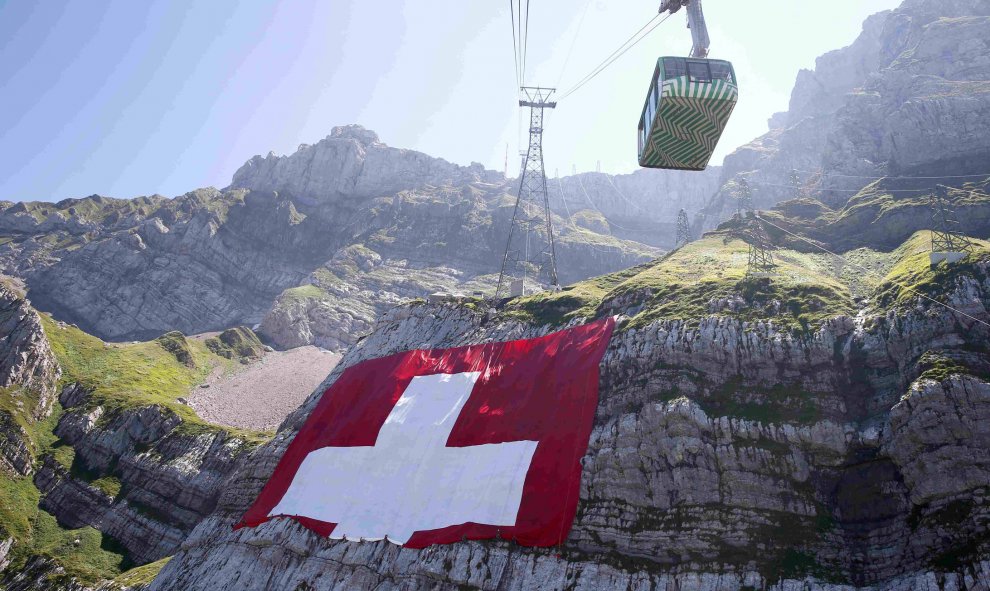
(127, 98)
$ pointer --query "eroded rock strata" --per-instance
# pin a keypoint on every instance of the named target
(907, 98)
(726, 454)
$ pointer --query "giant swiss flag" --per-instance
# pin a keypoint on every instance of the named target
(432, 446)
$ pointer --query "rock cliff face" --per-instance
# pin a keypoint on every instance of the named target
(26, 360)
(417, 243)
(28, 374)
(734, 451)
(167, 478)
(116, 471)
(641, 206)
(910, 97)
(210, 259)
(351, 163)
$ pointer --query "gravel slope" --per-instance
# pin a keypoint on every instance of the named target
(263, 393)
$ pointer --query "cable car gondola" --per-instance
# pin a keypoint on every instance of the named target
(689, 102)
(688, 105)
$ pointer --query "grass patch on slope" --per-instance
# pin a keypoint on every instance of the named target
(301, 294)
(141, 575)
(92, 558)
(688, 283)
(913, 274)
(123, 376)
(238, 343)
(19, 404)
(573, 301)
(708, 277)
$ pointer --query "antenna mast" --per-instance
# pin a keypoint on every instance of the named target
(529, 249)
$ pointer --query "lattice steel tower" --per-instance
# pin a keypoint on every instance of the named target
(530, 260)
(683, 229)
(744, 204)
(946, 234)
(760, 256)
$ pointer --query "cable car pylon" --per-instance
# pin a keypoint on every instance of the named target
(530, 262)
(949, 244)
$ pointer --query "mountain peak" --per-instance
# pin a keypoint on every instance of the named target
(356, 132)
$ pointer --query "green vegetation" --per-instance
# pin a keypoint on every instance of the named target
(779, 404)
(124, 376)
(121, 377)
(64, 454)
(175, 343)
(881, 216)
(301, 294)
(238, 343)
(18, 405)
(15, 408)
(325, 278)
(20, 503)
(937, 367)
(796, 564)
(687, 283)
(85, 553)
(913, 274)
(574, 301)
(109, 485)
(142, 575)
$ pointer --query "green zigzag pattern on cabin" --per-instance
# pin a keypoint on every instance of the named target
(689, 122)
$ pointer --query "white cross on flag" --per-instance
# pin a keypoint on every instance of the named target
(432, 446)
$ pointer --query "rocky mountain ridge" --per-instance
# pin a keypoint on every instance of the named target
(641, 206)
(352, 163)
(785, 442)
(908, 98)
(114, 471)
(344, 228)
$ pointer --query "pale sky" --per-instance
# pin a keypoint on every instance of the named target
(128, 98)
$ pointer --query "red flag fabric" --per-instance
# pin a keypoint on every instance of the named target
(435, 446)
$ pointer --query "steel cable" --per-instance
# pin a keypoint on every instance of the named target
(870, 271)
(615, 55)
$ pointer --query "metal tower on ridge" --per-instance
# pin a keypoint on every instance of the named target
(948, 242)
(530, 259)
(761, 263)
(744, 203)
(683, 229)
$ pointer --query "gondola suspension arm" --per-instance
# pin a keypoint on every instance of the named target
(696, 22)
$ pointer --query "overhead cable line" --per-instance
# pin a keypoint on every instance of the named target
(570, 50)
(870, 271)
(877, 178)
(622, 49)
(762, 184)
(515, 46)
(563, 199)
(609, 222)
(525, 45)
(626, 199)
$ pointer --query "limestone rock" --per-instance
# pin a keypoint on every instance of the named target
(402, 225)
(351, 163)
(908, 98)
(724, 455)
(641, 206)
(26, 359)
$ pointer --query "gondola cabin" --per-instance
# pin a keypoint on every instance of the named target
(689, 103)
